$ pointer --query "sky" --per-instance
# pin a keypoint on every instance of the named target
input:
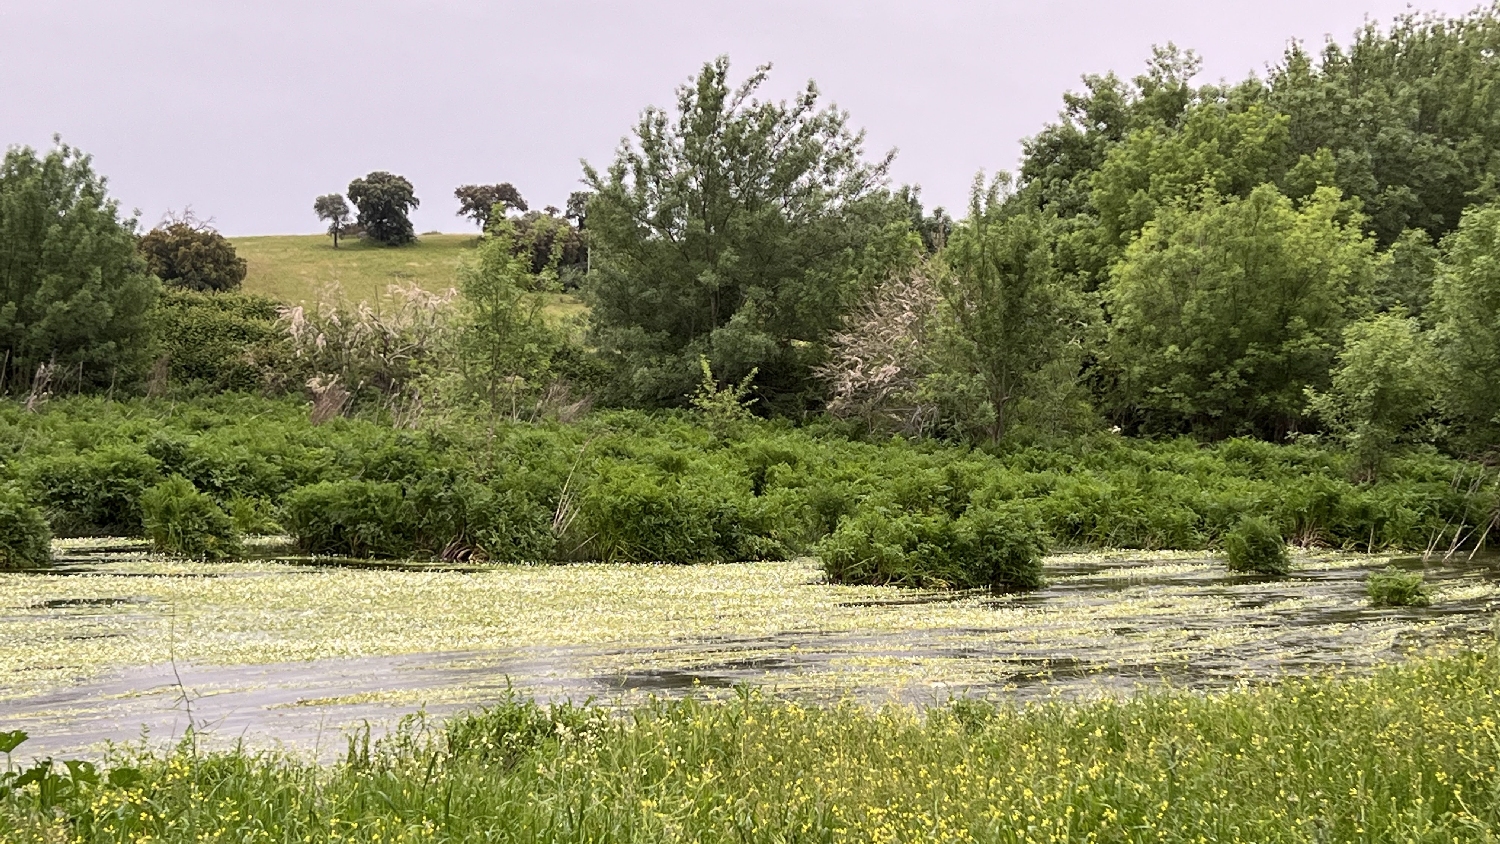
(246, 111)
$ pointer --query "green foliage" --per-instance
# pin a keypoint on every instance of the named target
(1409, 113)
(1396, 588)
(1224, 315)
(477, 202)
(191, 255)
(722, 406)
(96, 492)
(628, 486)
(182, 521)
(738, 230)
(505, 342)
(542, 770)
(1466, 314)
(25, 538)
(352, 518)
(983, 547)
(384, 200)
(74, 292)
(1006, 316)
(214, 342)
(334, 210)
(1255, 546)
(1384, 385)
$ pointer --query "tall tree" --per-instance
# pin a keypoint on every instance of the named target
(477, 202)
(737, 230)
(1465, 310)
(384, 200)
(1225, 313)
(74, 290)
(1411, 113)
(332, 209)
(1007, 313)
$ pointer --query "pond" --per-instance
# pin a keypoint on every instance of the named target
(115, 644)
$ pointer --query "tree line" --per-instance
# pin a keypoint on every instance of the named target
(1314, 252)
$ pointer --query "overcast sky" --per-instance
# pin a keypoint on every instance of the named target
(247, 110)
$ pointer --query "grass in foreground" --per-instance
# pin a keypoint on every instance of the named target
(1406, 755)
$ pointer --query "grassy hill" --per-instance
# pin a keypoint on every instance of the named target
(302, 269)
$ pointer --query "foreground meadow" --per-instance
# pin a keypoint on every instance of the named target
(1407, 754)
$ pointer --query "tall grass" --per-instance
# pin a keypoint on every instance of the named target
(1408, 754)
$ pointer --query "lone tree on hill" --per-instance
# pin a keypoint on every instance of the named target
(384, 199)
(189, 253)
(332, 208)
(478, 201)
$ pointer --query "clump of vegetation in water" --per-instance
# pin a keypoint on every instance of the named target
(181, 520)
(25, 538)
(1255, 546)
(983, 547)
(1172, 766)
(1396, 588)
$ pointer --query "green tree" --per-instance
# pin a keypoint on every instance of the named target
(1466, 326)
(477, 202)
(739, 231)
(1412, 113)
(1224, 314)
(74, 290)
(332, 209)
(384, 200)
(190, 254)
(1384, 386)
(1006, 314)
(505, 342)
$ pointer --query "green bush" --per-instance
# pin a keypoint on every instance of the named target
(1396, 588)
(632, 514)
(219, 341)
(984, 547)
(96, 492)
(184, 522)
(1255, 546)
(351, 518)
(25, 538)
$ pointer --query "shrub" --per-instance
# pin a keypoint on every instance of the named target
(181, 520)
(995, 548)
(190, 254)
(96, 492)
(212, 342)
(351, 518)
(1396, 588)
(1255, 546)
(635, 515)
(25, 538)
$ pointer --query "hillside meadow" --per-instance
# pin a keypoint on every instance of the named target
(303, 269)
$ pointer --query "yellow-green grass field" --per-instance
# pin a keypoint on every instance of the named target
(305, 268)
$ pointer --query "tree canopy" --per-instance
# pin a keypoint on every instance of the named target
(477, 202)
(74, 291)
(189, 253)
(737, 230)
(384, 200)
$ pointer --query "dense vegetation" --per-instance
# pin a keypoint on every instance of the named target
(628, 486)
(1199, 316)
(1406, 755)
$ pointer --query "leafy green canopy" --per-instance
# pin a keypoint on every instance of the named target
(1466, 312)
(384, 200)
(1411, 115)
(73, 290)
(192, 255)
(1225, 314)
(739, 231)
